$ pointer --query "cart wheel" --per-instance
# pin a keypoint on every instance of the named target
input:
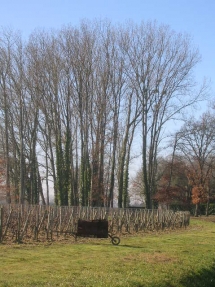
(115, 240)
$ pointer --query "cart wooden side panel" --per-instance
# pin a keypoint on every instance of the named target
(92, 228)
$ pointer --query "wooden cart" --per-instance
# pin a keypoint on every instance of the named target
(95, 228)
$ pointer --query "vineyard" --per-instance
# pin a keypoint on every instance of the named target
(24, 223)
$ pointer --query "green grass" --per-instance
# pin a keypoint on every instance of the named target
(178, 258)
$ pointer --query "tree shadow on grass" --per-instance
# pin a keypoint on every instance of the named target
(204, 278)
(120, 245)
(131, 246)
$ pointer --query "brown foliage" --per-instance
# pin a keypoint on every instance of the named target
(199, 195)
(170, 195)
(173, 183)
(199, 179)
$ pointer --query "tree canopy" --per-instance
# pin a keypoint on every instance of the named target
(72, 102)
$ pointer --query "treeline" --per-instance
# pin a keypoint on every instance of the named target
(73, 101)
(186, 178)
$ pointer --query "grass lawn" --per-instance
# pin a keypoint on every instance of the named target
(184, 257)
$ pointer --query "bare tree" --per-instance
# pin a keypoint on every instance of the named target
(160, 64)
(196, 143)
(5, 62)
(78, 96)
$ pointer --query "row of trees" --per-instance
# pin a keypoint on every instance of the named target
(187, 176)
(196, 143)
(73, 101)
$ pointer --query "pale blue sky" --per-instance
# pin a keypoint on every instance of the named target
(196, 17)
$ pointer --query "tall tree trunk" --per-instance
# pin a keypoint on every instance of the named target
(21, 155)
(6, 110)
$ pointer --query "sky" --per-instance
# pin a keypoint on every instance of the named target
(194, 17)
